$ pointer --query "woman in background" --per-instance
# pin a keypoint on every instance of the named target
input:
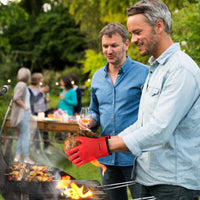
(39, 104)
(68, 97)
(74, 81)
(20, 115)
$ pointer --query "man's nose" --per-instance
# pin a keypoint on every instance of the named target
(109, 49)
(133, 39)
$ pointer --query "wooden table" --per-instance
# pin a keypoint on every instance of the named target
(53, 126)
(42, 125)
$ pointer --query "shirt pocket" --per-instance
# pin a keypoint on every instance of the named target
(153, 92)
(151, 99)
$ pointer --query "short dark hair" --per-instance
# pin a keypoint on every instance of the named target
(67, 82)
(114, 28)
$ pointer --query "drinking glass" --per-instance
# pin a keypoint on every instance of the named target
(85, 116)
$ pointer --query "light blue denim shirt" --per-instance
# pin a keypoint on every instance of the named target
(166, 137)
(116, 106)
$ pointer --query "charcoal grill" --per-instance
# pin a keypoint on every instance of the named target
(24, 190)
(48, 191)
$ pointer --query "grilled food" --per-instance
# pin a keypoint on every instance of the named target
(30, 173)
(70, 142)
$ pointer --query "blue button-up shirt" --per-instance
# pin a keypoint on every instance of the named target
(166, 137)
(116, 106)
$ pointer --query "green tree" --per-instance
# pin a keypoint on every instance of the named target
(50, 40)
(185, 29)
(33, 7)
(9, 14)
(58, 40)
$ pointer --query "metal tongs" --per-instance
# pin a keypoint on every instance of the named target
(145, 198)
(116, 185)
(123, 184)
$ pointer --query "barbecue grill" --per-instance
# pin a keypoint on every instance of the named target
(48, 191)
(30, 190)
(27, 190)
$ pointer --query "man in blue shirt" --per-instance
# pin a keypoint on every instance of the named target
(166, 137)
(115, 96)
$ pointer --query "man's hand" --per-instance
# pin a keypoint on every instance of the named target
(89, 125)
(89, 149)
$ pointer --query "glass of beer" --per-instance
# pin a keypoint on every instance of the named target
(85, 117)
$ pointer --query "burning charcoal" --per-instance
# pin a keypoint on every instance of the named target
(83, 189)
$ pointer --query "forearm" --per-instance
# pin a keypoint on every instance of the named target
(116, 144)
(21, 103)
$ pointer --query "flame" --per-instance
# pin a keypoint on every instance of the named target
(97, 164)
(72, 190)
(65, 182)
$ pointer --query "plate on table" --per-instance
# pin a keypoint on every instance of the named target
(50, 119)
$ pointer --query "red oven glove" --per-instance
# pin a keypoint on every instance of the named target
(89, 149)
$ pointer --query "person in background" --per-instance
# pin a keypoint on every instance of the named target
(166, 137)
(20, 115)
(39, 104)
(68, 97)
(74, 81)
(115, 95)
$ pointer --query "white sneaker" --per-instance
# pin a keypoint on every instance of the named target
(47, 151)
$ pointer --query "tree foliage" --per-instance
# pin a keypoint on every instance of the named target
(186, 27)
(93, 62)
(57, 35)
(49, 40)
(9, 14)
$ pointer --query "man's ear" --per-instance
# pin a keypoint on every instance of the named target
(126, 45)
(160, 27)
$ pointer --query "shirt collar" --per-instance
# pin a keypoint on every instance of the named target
(122, 69)
(165, 55)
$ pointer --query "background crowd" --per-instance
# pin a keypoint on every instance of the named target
(30, 99)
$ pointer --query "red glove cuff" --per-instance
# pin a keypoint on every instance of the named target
(108, 148)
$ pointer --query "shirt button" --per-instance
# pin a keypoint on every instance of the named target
(113, 131)
(112, 117)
